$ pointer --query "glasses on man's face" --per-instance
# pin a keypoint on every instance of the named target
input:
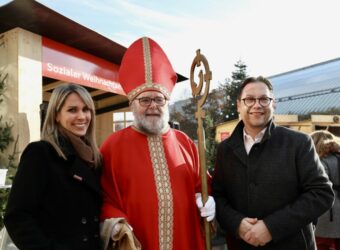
(146, 101)
(263, 101)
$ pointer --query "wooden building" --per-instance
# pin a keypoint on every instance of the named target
(40, 49)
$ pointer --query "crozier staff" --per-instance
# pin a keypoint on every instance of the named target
(150, 171)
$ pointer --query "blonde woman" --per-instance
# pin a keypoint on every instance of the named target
(55, 198)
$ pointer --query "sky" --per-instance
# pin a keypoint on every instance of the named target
(269, 36)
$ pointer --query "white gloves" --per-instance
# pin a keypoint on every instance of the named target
(208, 210)
(116, 229)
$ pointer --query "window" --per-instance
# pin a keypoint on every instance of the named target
(121, 120)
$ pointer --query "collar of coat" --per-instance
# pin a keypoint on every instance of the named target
(235, 141)
(236, 137)
(79, 170)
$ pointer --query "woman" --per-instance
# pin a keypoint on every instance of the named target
(327, 228)
(55, 198)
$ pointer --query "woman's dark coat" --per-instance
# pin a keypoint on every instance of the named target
(329, 226)
(54, 203)
(281, 182)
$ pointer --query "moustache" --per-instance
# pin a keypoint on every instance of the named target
(153, 112)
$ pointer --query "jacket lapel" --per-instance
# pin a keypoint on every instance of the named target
(257, 156)
(79, 171)
(237, 144)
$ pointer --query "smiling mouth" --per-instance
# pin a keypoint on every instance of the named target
(256, 115)
(80, 125)
(256, 112)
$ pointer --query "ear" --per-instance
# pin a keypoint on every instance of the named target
(57, 118)
(274, 102)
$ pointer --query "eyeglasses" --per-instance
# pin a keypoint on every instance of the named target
(146, 101)
(250, 101)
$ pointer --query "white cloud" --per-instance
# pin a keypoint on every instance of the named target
(271, 37)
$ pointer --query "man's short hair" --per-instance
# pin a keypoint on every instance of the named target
(253, 79)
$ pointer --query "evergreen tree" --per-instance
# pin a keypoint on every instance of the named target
(214, 106)
(7, 160)
(220, 106)
(186, 118)
(5, 128)
(230, 89)
(210, 142)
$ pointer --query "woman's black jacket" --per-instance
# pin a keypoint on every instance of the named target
(54, 203)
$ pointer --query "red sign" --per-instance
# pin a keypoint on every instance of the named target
(224, 135)
(65, 63)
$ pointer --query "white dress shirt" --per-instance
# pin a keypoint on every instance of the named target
(249, 141)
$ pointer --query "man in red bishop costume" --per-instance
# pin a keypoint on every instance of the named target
(150, 175)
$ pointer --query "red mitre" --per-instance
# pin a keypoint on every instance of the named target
(146, 67)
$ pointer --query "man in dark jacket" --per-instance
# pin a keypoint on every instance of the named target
(269, 184)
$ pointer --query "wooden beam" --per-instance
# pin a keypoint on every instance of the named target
(52, 85)
(111, 108)
(109, 101)
(97, 92)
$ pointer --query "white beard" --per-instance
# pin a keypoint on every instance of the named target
(151, 125)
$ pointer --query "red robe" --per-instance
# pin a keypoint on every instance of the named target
(151, 181)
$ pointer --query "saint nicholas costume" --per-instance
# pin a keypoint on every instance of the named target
(151, 180)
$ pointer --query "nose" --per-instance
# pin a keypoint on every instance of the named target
(153, 103)
(257, 104)
(81, 115)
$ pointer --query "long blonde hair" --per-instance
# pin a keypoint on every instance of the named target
(50, 132)
(325, 142)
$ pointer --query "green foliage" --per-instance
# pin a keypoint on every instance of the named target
(5, 134)
(231, 88)
(219, 107)
(186, 118)
(8, 160)
(214, 116)
(215, 105)
(4, 193)
(5, 128)
(3, 202)
(210, 142)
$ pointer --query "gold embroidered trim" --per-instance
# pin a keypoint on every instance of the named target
(164, 192)
(152, 86)
(147, 60)
(148, 75)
